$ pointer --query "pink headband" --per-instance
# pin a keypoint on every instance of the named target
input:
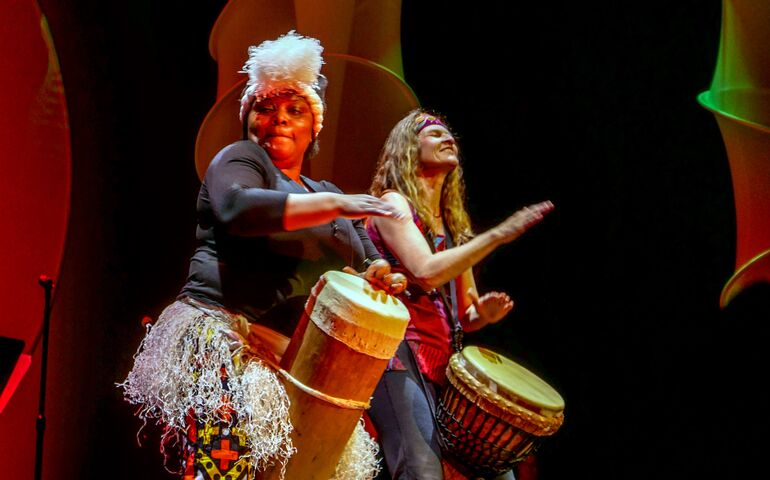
(424, 120)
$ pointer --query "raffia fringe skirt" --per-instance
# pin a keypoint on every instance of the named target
(204, 362)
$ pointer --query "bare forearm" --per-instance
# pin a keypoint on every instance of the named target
(466, 291)
(443, 266)
(252, 212)
(470, 320)
(490, 308)
(309, 210)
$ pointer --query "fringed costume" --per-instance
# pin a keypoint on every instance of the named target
(205, 367)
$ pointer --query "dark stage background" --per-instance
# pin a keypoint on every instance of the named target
(591, 106)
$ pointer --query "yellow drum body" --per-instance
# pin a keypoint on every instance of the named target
(493, 412)
(338, 352)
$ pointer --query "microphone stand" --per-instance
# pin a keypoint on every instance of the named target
(47, 284)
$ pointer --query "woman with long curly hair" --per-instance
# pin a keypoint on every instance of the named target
(433, 244)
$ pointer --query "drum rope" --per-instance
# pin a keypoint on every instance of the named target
(498, 405)
(336, 401)
(234, 319)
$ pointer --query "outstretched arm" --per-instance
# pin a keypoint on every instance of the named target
(431, 270)
(243, 203)
(311, 209)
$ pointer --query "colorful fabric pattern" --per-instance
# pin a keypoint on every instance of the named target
(424, 120)
(216, 451)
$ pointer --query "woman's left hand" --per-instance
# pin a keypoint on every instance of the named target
(378, 274)
(490, 307)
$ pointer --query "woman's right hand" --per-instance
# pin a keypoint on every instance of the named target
(361, 205)
(512, 227)
(379, 275)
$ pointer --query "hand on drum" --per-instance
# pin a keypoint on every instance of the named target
(490, 308)
(525, 218)
(378, 274)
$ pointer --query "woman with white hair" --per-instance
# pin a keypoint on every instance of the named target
(266, 233)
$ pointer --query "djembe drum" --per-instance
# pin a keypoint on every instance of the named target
(493, 412)
(340, 348)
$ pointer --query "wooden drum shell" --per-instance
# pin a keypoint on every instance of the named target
(482, 430)
(339, 349)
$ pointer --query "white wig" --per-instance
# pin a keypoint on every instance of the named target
(290, 63)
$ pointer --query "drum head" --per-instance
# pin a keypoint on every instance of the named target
(364, 318)
(346, 291)
(512, 381)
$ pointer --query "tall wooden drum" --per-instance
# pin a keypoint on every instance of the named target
(338, 352)
(493, 412)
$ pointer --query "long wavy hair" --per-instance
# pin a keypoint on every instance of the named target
(397, 169)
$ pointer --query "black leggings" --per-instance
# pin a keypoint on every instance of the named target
(405, 426)
(404, 423)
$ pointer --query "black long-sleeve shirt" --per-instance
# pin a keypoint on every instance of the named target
(245, 261)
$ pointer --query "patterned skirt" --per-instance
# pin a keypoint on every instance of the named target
(204, 375)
